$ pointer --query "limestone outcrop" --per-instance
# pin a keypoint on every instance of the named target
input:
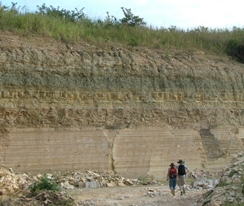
(128, 110)
(230, 188)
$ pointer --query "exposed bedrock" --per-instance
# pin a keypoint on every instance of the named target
(128, 111)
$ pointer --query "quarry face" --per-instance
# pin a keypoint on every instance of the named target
(132, 111)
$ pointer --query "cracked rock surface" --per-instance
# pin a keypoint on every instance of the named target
(116, 108)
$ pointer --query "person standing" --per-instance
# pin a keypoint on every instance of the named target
(182, 170)
(172, 177)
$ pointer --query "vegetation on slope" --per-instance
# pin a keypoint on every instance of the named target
(75, 25)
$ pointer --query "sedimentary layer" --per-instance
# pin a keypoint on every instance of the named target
(128, 110)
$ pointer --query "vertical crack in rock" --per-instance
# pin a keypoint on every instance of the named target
(111, 135)
(4, 144)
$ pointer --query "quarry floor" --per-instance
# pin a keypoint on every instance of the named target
(148, 195)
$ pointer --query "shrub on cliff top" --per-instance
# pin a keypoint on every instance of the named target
(66, 15)
(235, 48)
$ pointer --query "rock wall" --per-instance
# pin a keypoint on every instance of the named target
(129, 110)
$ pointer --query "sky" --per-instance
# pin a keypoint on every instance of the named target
(184, 14)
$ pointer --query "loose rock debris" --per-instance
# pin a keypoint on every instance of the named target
(230, 188)
(15, 187)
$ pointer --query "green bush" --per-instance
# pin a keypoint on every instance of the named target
(132, 42)
(235, 48)
(43, 184)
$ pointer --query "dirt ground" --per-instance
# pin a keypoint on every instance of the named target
(148, 195)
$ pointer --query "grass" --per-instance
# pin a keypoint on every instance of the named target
(232, 172)
(222, 184)
(73, 26)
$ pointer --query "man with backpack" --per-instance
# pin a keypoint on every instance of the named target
(182, 170)
(171, 176)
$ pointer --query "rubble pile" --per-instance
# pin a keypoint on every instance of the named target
(46, 198)
(12, 184)
(230, 188)
(15, 187)
(94, 179)
(199, 174)
(203, 179)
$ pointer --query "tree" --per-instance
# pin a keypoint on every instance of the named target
(130, 19)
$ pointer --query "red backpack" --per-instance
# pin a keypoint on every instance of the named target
(172, 172)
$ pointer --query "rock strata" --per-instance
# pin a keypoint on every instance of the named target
(127, 110)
